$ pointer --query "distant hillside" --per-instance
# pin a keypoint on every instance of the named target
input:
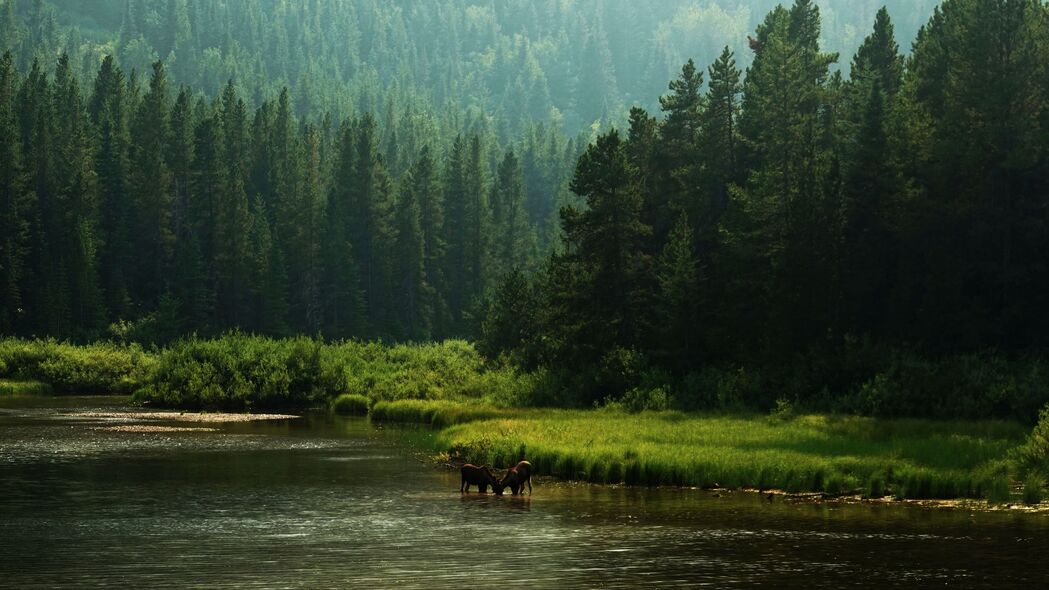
(517, 60)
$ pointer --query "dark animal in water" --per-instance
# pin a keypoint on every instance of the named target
(755, 45)
(516, 478)
(482, 477)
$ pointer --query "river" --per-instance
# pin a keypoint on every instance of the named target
(323, 501)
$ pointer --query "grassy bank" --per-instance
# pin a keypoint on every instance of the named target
(440, 413)
(24, 388)
(914, 459)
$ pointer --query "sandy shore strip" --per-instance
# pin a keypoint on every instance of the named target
(215, 417)
(142, 428)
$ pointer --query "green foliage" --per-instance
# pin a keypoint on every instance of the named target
(239, 372)
(351, 403)
(1034, 490)
(97, 368)
(24, 388)
(908, 458)
(731, 251)
(437, 413)
(1033, 456)
(967, 386)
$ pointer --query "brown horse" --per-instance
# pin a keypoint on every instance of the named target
(516, 478)
(482, 477)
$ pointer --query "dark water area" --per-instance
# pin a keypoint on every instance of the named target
(322, 502)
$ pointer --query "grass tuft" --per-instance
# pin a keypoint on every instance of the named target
(351, 404)
(25, 388)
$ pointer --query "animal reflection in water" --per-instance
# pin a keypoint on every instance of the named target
(516, 478)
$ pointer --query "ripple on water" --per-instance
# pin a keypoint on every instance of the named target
(331, 503)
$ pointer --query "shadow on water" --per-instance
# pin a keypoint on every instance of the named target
(325, 501)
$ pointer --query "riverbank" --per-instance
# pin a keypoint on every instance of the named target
(478, 408)
(833, 456)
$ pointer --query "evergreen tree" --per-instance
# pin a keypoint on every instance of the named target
(232, 249)
(424, 188)
(602, 273)
(719, 136)
(109, 111)
(412, 295)
(677, 156)
(513, 241)
(678, 276)
(465, 227)
(152, 194)
(14, 204)
(343, 300)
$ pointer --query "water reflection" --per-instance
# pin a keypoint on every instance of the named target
(323, 502)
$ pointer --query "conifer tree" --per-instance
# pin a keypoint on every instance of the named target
(152, 194)
(678, 276)
(412, 295)
(109, 110)
(513, 241)
(14, 204)
(343, 300)
(719, 136)
(422, 183)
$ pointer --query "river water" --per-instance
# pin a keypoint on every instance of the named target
(323, 501)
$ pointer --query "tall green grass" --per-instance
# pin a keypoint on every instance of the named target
(24, 388)
(93, 368)
(834, 455)
(438, 413)
(352, 404)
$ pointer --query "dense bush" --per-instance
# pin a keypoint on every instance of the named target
(242, 372)
(351, 404)
(1033, 456)
(966, 386)
(93, 368)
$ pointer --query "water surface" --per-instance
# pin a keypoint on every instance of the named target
(333, 502)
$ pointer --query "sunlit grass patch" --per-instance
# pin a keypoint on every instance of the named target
(24, 388)
(351, 404)
(834, 455)
(439, 413)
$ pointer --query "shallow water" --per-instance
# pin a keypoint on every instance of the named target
(333, 502)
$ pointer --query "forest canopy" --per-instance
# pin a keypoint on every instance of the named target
(806, 206)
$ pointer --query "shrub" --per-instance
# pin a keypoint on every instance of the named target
(94, 368)
(1033, 490)
(351, 404)
(1033, 455)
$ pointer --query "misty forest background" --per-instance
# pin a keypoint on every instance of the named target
(818, 215)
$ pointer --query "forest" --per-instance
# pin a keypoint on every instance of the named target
(813, 216)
